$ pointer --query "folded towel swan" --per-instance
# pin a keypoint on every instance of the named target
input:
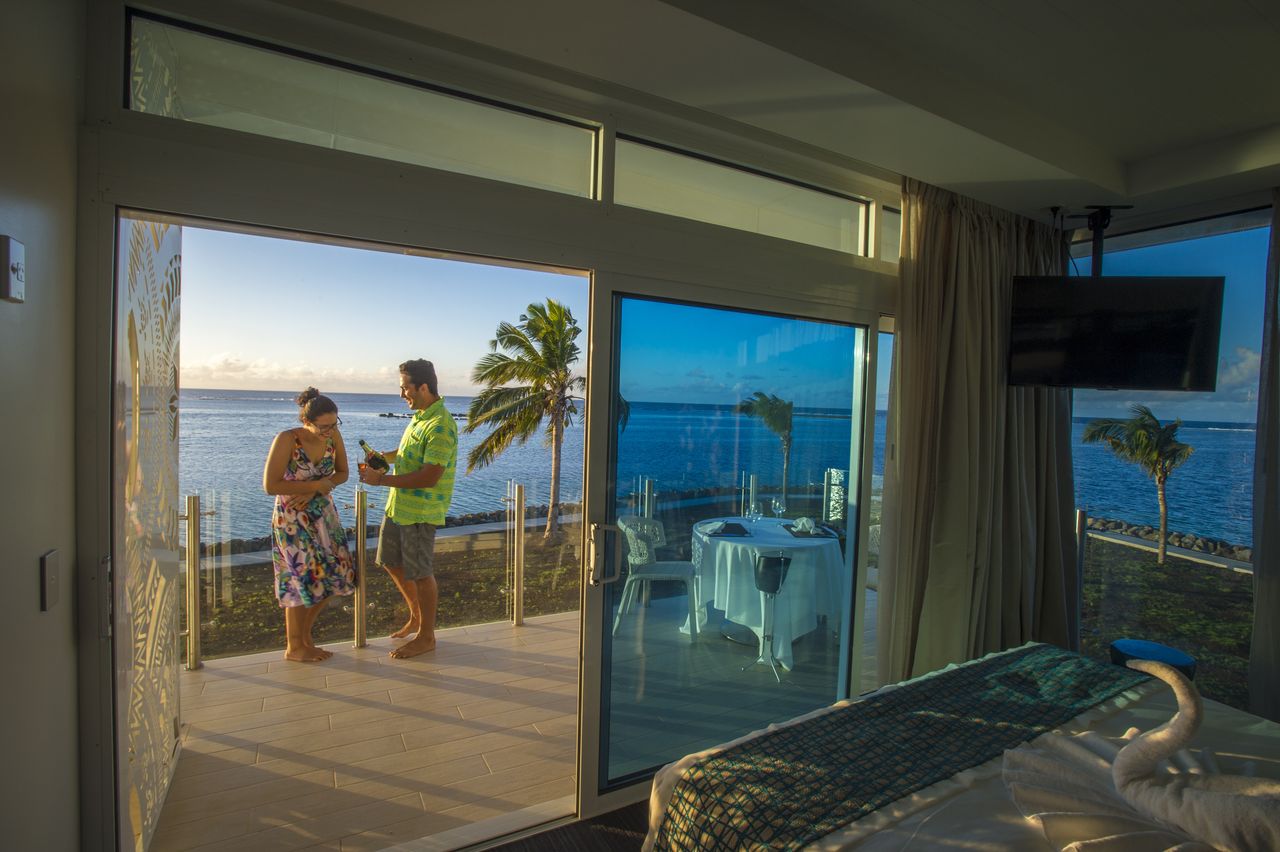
(1145, 790)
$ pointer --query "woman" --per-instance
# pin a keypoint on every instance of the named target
(311, 559)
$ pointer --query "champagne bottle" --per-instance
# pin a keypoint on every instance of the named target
(373, 458)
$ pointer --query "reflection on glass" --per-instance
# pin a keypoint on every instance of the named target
(734, 422)
(884, 361)
(1190, 602)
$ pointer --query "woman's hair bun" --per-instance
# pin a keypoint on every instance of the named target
(306, 396)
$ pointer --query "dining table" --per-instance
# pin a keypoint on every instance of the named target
(813, 589)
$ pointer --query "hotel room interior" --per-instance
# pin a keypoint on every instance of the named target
(922, 155)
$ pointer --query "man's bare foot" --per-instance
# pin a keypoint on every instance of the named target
(410, 626)
(305, 655)
(414, 647)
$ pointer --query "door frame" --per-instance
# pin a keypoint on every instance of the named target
(145, 163)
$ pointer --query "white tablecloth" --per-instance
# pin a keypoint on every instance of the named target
(726, 571)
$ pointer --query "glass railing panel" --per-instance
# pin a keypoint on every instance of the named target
(1199, 605)
(239, 611)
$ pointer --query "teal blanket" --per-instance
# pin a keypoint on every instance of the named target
(789, 787)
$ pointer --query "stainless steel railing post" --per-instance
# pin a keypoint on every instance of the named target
(192, 517)
(360, 639)
(1082, 536)
(647, 500)
(517, 581)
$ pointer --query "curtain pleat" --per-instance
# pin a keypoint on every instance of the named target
(978, 550)
(1264, 650)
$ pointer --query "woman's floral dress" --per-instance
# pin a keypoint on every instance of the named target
(311, 557)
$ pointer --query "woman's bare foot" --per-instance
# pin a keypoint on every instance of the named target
(305, 655)
(414, 647)
(324, 655)
(410, 626)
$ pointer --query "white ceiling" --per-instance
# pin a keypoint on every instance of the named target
(1026, 104)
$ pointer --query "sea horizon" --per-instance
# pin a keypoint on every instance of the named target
(224, 434)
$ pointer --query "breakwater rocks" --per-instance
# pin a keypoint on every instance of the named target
(1188, 541)
(256, 545)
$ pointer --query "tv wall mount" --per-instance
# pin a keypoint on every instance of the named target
(1098, 219)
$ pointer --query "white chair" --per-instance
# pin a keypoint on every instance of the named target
(644, 535)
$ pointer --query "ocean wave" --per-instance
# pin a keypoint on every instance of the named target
(1228, 429)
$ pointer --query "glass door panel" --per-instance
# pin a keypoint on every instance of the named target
(736, 434)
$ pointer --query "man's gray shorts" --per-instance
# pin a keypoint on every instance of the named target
(408, 546)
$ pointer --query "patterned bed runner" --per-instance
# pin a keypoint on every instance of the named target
(789, 787)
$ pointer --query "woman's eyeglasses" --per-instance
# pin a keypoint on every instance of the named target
(334, 425)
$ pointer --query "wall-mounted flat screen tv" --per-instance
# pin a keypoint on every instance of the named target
(1116, 332)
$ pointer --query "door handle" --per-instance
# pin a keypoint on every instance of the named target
(598, 531)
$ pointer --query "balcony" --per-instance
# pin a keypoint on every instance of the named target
(475, 739)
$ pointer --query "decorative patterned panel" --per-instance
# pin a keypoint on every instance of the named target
(151, 74)
(146, 525)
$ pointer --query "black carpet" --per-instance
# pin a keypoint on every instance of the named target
(622, 830)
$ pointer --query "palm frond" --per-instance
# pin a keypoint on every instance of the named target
(529, 381)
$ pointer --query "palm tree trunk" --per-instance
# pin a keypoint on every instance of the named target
(553, 508)
(1164, 520)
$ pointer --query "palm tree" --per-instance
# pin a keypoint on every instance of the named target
(1153, 446)
(776, 415)
(529, 381)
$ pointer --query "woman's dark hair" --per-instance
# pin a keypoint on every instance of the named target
(421, 372)
(312, 404)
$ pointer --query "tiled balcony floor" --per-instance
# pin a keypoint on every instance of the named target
(364, 752)
(472, 740)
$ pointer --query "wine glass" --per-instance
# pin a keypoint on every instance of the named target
(754, 512)
(779, 507)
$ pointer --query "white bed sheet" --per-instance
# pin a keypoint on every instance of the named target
(972, 810)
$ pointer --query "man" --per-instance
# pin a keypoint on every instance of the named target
(421, 489)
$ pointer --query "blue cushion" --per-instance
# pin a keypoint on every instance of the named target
(1123, 650)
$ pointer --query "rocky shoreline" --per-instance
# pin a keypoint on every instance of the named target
(1187, 541)
(256, 545)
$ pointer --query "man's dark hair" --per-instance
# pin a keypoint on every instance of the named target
(421, 372)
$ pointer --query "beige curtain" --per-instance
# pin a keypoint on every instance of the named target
(978, 541)
(1264, 653)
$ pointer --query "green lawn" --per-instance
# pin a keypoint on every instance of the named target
(1203, 610)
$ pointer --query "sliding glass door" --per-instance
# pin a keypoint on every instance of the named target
(725, 566)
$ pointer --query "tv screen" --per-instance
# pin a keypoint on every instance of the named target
(1116, 332)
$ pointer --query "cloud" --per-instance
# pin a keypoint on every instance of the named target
(1244, 373)
(233, 370)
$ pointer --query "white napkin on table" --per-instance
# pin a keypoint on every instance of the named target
(803, 525)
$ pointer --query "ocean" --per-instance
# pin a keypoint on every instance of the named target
(224, 437)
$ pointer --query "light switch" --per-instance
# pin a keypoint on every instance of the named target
(49, 580)
(13, 270)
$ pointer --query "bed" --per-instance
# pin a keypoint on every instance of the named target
(918, 765)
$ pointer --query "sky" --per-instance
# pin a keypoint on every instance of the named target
(1241, 257)
(689, 353)
(265, 313)
(342, 319)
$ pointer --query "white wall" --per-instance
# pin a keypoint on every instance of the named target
(40, 65)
